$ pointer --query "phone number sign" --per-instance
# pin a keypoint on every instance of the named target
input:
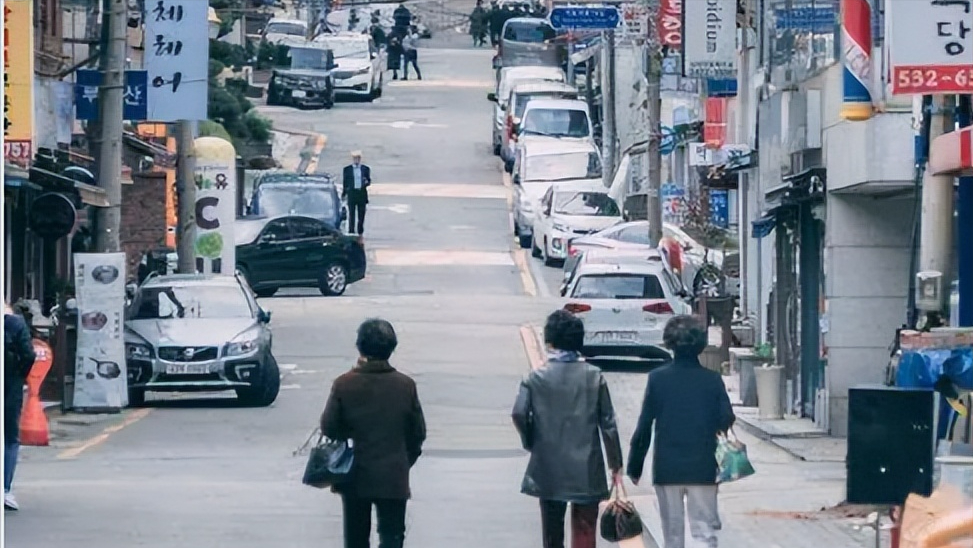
(931, 46)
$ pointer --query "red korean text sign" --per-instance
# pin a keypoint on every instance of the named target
(931, 46)
(670, 23)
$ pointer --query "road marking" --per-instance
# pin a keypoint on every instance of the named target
(520, 259)
(486, 84)
(401, 124)
(439, 190)
(134, 417)
(287, 366)
(290, 386)
(395, 208)
(408, 257)
(528, 336)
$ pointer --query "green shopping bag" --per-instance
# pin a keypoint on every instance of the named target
(731, 456)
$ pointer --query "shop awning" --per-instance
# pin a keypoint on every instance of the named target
(952, 153)
(763, 226)
(89, 194)
(92, 195)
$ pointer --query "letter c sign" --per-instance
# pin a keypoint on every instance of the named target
(206, 213)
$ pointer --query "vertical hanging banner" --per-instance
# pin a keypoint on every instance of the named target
(177, 59)
(930, 46)
(100, 378)
(856, 58)
(18, 81)
(714, 124)
(215, 206)
(709, 38)
(670, 23)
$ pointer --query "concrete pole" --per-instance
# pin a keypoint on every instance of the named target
(110, 97)
(936, 222)
(743, 138)
(653, 153)
(608, 137)
(185, 197)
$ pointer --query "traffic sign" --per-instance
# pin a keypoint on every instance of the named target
(668, 142)
(586, 18)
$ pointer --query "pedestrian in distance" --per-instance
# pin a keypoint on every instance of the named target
(18, 358)
(356, 179)
(377, 409)
(688, 406)
(563, 414)
(410, 48)
(497, 19)
(479, 23)
(395, 50)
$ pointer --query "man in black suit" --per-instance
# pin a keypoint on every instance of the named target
(355, 181)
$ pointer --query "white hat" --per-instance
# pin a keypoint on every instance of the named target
(356, 154)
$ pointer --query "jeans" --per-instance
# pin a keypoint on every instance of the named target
(704, 516)
(356, 211)
(13, 404)
(584, 518)
(358, 521)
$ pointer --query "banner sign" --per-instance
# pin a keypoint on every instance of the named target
(709, 38)
(135, 102)
(100, 378)
(856, 58)
(215, 206)
(18, 81)
(670, 23)
(930, 46)
(177, 59)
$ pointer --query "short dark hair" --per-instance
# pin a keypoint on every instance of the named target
(564, 331)
(686, 336)
(376, 339)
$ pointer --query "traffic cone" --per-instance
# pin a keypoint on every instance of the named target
(34, 429)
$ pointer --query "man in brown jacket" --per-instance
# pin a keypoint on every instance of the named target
(378, 409)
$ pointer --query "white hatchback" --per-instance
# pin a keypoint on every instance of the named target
(625, 308)
(569, 210)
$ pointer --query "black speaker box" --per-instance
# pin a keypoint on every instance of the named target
(891, 444)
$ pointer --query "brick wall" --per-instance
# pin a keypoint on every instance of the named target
(143, 225)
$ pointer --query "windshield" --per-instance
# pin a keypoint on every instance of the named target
(596, 204)
(246, 232)
(524, 98)
(276, 200)
(559, 167)
(292, 29)
(556, 122)
(309, 58)
(347, 49)
(619, 286)
(630, 233)
(192, 301)
(533, 33)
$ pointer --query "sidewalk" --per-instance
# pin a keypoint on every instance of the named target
(298, 150)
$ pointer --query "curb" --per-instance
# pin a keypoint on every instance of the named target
(764, 436)
(313, 147)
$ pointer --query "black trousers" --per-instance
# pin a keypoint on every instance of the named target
(411, 58)
(584, 518)
(358, 521)
(356, 211)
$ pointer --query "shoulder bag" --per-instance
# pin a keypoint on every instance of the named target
(330, 462)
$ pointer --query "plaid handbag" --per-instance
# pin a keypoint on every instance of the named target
(731, 456)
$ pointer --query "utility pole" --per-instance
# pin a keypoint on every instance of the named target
(110, 96)
(743, 138)
(608, 137)
(936, 220)
(653, 154)
(185, 197)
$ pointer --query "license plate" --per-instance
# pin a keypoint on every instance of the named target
(187, 369)
(614, 336)
(298, 94)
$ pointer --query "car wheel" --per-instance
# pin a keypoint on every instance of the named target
(535, 251)
(264, 392)
(496, 150)
(136, 397)
(381, 87)
(330, 102)
(372, 94)
(266, 291)
(525, 241)
(548, 261)
(335, 280)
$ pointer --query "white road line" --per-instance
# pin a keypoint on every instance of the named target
(287, 366)
(290, 386)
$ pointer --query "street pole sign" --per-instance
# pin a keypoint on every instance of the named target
(585, 18)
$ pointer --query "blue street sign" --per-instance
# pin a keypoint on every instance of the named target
(588, 18)
(668, 142)
(135, 107)
(719, 207)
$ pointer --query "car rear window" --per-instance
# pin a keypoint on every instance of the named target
(532, 33)
(524, 98)
(619, 286)
(556, 122)
(597, 204)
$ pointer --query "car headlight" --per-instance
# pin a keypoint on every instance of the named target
(244, 343)
(561, 228)
(134, 351)
(359, 72)
(320, 84)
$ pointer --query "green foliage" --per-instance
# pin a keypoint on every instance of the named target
(764, 351)
(272, 55)
(258, 126)
(215, 68)
(229, 54)
(209, 128)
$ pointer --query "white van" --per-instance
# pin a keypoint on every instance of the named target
(561, 118)
(509, 77)
(520, 95)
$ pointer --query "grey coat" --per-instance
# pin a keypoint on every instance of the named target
(563, 413)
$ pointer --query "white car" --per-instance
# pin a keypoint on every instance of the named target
(359, 63)
(509, 77)
(633, 256)
(539, 163)
(279, 31)
(625, 307)
(520, 95)
(568, 210)
(563, 118)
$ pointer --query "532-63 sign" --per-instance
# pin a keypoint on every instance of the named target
(922, 80)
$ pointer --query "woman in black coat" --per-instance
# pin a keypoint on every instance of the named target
(378, 409)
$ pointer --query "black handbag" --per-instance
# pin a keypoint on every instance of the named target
(329, 464)
(620, 520)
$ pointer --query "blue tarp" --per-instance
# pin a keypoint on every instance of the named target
(922, 368)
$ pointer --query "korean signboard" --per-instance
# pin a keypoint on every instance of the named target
(177, 59)
(670, 23)
(18, 81)
(709, 38)
(215, 206)
(135, 104)
(931, 46)
(100, 379)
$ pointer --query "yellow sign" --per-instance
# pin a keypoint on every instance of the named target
(18, 80)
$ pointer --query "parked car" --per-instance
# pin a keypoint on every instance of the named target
(564, 118)
(625, 307)
(195, 332)
(619, 256)
(358, 64)
(520, 95)
(529, 41)
(309, 81)
(541, 162)
(296, 251)
(278, 193)
(280, 31)
(568, 210)
(509, 77)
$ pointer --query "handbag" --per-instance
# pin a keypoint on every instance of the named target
(731, 456)
(620, 520)
(329, 464)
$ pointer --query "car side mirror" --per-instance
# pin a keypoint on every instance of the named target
(564, 291)
(686, 247)
(130, 290)
(263, 316)
(516, 179)
(492, 97)
(268, 239)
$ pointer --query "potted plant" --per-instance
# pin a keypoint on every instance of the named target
(760, 356)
